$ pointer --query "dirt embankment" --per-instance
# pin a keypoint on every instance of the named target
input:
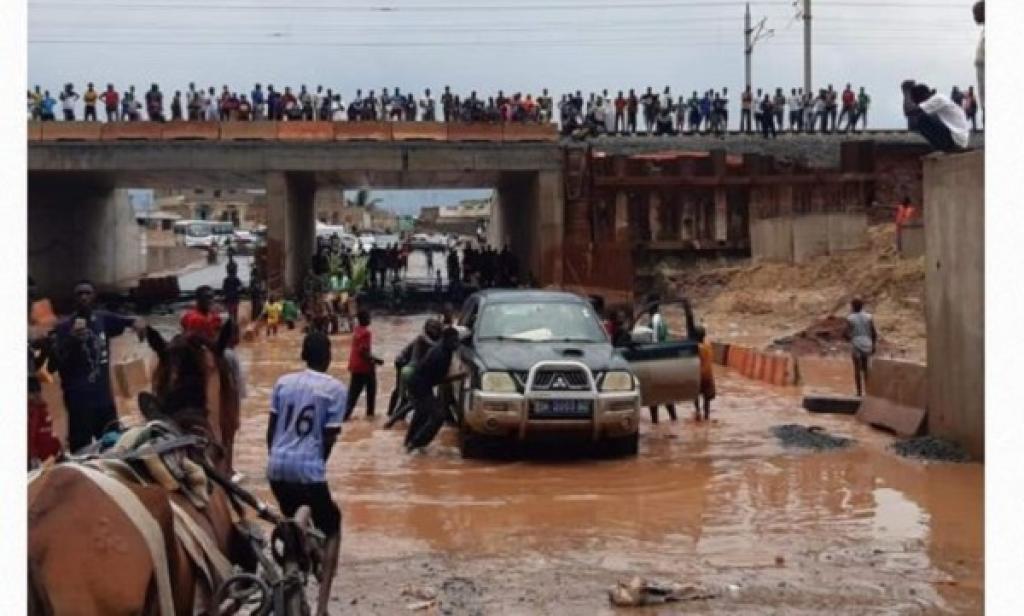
(801, 306)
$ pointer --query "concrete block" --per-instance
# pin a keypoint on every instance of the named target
(911, 241)
(305, 131)
(427, 131)
(246, 131)
(474, 131)
(810, 237)
(365, 131)
(529, 132)
(771, 239)
(71, 131)
(208, 131)
(846, 231)
(895, 396)
(145, 131)
(35, 131)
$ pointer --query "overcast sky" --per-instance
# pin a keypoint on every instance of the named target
(490, 44)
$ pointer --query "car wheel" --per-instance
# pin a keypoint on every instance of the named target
(472, 445)
(623, 446)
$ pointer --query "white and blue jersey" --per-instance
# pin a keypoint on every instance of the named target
(305, 403)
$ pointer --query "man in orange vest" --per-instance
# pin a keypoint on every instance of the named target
(904, 214)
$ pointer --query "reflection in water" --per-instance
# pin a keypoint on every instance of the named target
(720, 499)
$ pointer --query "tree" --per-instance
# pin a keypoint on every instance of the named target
(364, 201)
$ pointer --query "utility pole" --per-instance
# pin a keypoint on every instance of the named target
(807, 45)
(752, 35)
(747, 47)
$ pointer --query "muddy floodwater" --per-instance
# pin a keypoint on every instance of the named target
(721, 504)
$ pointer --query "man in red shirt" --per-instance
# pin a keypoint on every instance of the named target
(201, 319)
(849, 107)
(362, 366)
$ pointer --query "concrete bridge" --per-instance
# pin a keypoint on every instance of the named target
(78, 228)
(75, 231)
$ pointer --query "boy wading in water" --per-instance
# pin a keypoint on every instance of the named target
(707, 376)
(860, 331)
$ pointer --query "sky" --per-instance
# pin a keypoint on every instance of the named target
(487, 45)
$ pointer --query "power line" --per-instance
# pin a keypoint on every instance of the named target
(633, 43)
(403, 9)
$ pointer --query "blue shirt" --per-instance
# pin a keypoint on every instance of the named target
(305, 404)
(47, 104)
(257, 97)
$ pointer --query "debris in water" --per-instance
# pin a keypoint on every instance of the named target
(638, 592)
(930, 448)
(811, 437)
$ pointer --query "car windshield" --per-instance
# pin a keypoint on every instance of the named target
(199, 230)
(540, 322)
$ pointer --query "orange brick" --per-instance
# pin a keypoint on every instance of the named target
(529, 132)
(474, 131)
(254, 131)
(35, 131)
(115, 131)
(363, 131)
(408, 131)
(305, 131)
(71, 131)
(191, 130)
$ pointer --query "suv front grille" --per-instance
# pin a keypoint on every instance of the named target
(561, 380)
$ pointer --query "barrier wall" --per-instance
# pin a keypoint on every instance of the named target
(290, 131)
(954, 199)
(772, 368)
(797, 238)
(895, 396)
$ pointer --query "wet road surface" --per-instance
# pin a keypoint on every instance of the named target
(772, 531)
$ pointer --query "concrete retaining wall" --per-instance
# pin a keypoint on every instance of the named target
(772, 368)
(163, 258)
(954, 199)
(795, 239)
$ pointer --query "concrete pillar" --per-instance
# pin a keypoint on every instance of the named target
(81, 228)
(291, 229)
(687, 216)
(654, 215)
(954, 198)
(621, 217)
(549, 212)
(721, 215)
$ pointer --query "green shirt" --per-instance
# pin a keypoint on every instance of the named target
(290, 312)
(863, 100)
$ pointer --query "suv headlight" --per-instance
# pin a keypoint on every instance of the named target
(497, 382)
(618, 380)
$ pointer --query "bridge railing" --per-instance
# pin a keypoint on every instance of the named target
(289, 131)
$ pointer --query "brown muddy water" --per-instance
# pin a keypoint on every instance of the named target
(721, 504)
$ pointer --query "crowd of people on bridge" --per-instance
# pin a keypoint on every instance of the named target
(627, 112)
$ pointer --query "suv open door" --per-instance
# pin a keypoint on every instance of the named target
(669, 371)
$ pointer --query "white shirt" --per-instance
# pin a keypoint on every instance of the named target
(795, 103)
(951, 115)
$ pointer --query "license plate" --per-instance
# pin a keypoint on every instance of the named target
(562, 407)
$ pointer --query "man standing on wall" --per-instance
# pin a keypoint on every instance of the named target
(860, 331)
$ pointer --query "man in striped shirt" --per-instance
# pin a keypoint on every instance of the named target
(305, 420)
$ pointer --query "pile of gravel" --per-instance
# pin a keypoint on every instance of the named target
(808, 437)
(930, 448)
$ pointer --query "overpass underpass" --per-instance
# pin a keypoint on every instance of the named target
(73, 204)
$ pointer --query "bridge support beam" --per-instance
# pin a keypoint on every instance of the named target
(81, 228)
(291, 229)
